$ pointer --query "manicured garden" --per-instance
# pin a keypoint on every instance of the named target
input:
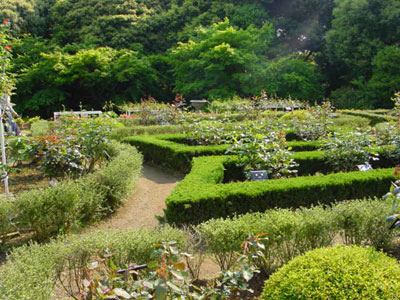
(199, 150)
(317, 198)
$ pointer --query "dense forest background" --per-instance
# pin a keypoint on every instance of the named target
(68, 52)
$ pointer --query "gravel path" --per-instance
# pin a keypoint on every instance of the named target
(148, 201)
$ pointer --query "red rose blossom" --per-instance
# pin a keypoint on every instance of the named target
(9, 48)
(5, 21)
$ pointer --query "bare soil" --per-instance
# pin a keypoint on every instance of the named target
(27, 178)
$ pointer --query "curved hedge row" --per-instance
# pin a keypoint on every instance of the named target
(71, 204)
(170, 150)
(373, 117)
(202, 196)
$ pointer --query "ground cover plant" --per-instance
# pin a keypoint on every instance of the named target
(27, 177)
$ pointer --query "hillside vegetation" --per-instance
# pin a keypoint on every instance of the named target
(87, 52)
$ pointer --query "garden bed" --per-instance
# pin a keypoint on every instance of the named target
(171, 151)
(202, 195)
(71, 204)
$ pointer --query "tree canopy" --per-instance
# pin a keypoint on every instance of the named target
(91, 51)
(221, 61)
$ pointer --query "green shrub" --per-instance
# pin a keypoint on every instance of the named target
(336, 273)
(71, 204)
(31, 272)
(115, 181)
(40, 128)
(52, 210)
(293, 232)
(316, 124)
(350, 121)
(124, 132)
(202, 195)
(363, 222)
(5, 214)
(188, 117)
(345, 152)
(264, 152)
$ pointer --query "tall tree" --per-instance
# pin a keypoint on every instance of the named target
(359, 30)
(221, 61)
(294, 77)
(89, 77)
(385, 80)
(19, 13)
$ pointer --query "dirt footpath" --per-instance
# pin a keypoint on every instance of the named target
(148, 201)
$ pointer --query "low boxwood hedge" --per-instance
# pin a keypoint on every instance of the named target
(71, 204)
(202, 195)
(171, 151)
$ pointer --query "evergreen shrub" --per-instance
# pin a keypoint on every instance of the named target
(336, 273)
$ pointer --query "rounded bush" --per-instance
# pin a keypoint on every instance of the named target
(343, 272)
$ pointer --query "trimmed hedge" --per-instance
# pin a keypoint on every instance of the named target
(71, 204)
(294, 232)
(374, 118)
(336, 273)
(124, 132)
(171, 151)
(202, 196)
(31, 272)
